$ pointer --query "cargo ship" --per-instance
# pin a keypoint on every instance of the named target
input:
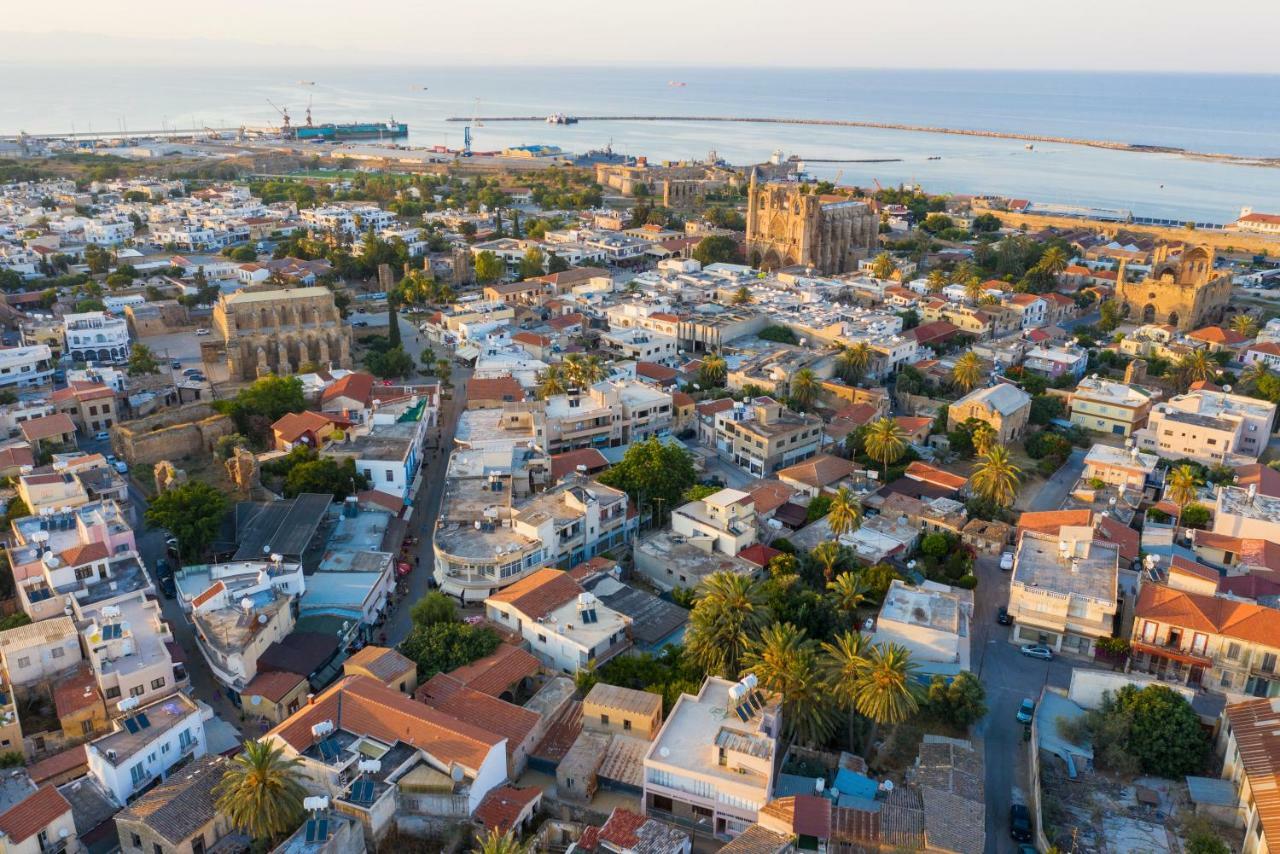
(391, 129)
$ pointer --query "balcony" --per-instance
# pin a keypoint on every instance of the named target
(1173, 652)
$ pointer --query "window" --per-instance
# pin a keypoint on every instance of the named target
(542, 638)
(604, 720)
(86, 727)
(156, 849)
(626, 725)
(1268, 662)
(197, 845)
(723, 758)
(184, 739)
(57, 652)
(137, 774)
(660, 802)
(83, 572)
(113, 692)
(136, 839)
(164, 748)
(157, 684)
(1233, 652)
(24, 661)
(137, 691)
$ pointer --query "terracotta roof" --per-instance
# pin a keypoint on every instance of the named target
(1243, 620)
(503, 807)
(1023, 299)
(680, 399)
(1051, 521)
(33, 814)
(911, 423)
(713, 407)
(214, 589)
(47, 426)
(504, 388)
(76, 692)
(1197, 570)
(363, 706)
(273, 685)
(1266, 478)
(620, 829)
(932, 474)
(16, 456)
(453, 697)
(1256, 726)
(822, 470)
(769, 495)
(572, 275)
(806, 815)
(936, 330)
(1270, 219)
(656, 372)
(1270, 348)
(291, 426)
(382, 662)
(86, 553)
(665, 316)
(494, 673)
(58, 764)
(1109, 529)
(357, 386)
(758, 554)
(564, 321)
(383, 500)
(568, 462)
(530, 338)
(1217, 335)
(590, 567)
(539, 594)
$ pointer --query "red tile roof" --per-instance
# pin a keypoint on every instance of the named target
(620, 830)
(453, 697)
(357, 386)
(926, 473)
(504, 388)
(539, 594)
(16, 456)
(1234, 619)
(47, 426)
(530, 338)
(33, 814)
(87, 553)
(504, 807)
(714, 407)
(769, 495)
(273, 685)
(76, 692)
(382, 663)
(1266, 478)
(820, 471)
(293, 425)
(494, 673)
(937, 330)
(656, 372)
(58, 764)
(759, 554)
(680, 399)
(1217, 335)
(1256, 727)
(568, 462)
(214, 589)
(566, 320)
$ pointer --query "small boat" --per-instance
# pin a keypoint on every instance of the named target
(676, 83)
(935, 157)
(1029, 147)
(306, 82)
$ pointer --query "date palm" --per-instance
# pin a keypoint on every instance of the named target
(788, 663)
(1196, 366)
(995, 478)
(845, 513)
(552, 382)
(1181, 487)
(883, 266)
(852, 362)
(936, 281)
(496, 842)
(1054, 260)
(260, 793)
(1245, 324)
(887, 691)
(848, 591)
(804, 388)
(845, 659)
(827, 555)
(713, 371)
(885, 442)
(728, 613)
(973, 289)
(984, 439)
(967, 371)
(1254, 374)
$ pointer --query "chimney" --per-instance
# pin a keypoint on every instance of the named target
(311, 699)
(1253, 492)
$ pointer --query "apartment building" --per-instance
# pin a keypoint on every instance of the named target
(1033, 310)
(94, 336)
(25, 367)
(723, 522)
(1249, 742)
(1103, 406)
(932, 621)
(1127, 469)
(127, 648)
(1054, 362)
(762, 436)
(640, 345)
(1004, 407)
(350, 219)
(1211, 427)
(234, 625)
(607, 414)
(567, 629)
(39, 651)
(91, 406)
(147, 743)
(1064, 591)
(1246, 512)
(712, 765)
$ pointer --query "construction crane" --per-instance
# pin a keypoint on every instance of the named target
(284, 114)
(879, 189)
(309, 98)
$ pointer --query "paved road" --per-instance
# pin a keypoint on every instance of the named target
(1054, 491)
(1082, 320)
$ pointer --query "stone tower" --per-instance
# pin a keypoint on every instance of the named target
(1185, 291)
(787, 226)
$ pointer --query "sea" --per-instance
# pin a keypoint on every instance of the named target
(1230, 114)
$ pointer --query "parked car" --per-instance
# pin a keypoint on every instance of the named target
(1026, 711)
(1006, 561)
(168, 587)
(163, 569)
(360, 323)
(121, 466)
(190, 372)
(175, 364)
(202, 331)
(1002, 616)
(171, 546)
(102, 436)
(1020, 822)
(1035, 650)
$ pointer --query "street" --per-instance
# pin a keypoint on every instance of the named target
(1054, 491)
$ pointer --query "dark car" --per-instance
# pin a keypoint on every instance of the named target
(176, 365)
(163, 569)
(1002, 616)
(1020, 823)
(168, 587)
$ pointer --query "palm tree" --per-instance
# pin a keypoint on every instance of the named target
(967, 371)
(845, 660)
(886, 690)
(1245, 324)
(844, 513)
(848, 591)
(984, 438)
(787, 663)
(936, 281)
(727, 615)
(1196, 366)
(827, 554)
(961, 273)
(883, 266)
(1254, 373)
(592, 370)
(552, 382)
(804, 388)
(885, 442)
(260, 793)
(852, 362)
(996, 478)
(1181, 487)
(973, 289)
(742, 296)
(501, 843)
(713, 371)
(1054, 260)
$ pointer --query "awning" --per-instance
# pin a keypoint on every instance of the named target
(1172, 654)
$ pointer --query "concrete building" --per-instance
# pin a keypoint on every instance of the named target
(95, 336)
(723, 522)
(622, 711)
(235, 621)
(1211, 427)
(1054, 362)
(762, 436)
(712, 765)
(1246, 512)
(1249, 745)
(148, 742)
(1004, 407)
(932, 621)
(36, 820)
(24, 367)
(1128, 469)
(180, 814)
(39, 651)
(1064, 591)
(787, 227)
(607, 414)
(269, 330)
(1104, 406)
(91, 406)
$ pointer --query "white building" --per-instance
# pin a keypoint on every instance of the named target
(148, 742)
(1211, 427)
(40, 650)
(26, 366)
(724, 522)
(933, 621)
(107, 233)
(353, 219)
(95, 336)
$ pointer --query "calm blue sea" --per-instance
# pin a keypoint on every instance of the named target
(1235, 114)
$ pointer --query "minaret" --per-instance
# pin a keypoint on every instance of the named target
(751, 207)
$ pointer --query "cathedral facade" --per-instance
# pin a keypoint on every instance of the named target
(1184, 291)
(277, 331)
(788, 227)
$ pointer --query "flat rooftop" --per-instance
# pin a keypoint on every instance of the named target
(231, 629)
(934, 609)
(479, 427)
(1236, 501)
(689, 564)
(161, 717)
(1119, 457)
(1090, 571)
(698, 726)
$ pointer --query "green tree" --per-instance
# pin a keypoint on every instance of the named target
(394, 363)
(715, 250)
(885, 442)
(848, 591)
(261, 793)
(97, 259)
(827, 555)
(243, 254)
(393, 320)
(556, 264)
(444, 646)
(852, 362)
(787, 663)
(936, 281)
(191, 512)
(16, 509)
(435, 607)
(532, 264)
(256, 407)
(142, 361)
(845, 661)
(1196, 366)
(496, 842)
(728, 615)
(713, 371)
(1245, 324)
(844, 512)
(652, 471)
(804, 388)
(1155, 728)
(489, 267)
(1110, 316)
(886, 691)
(1181, 487)
(960, 702)
(967, 371)
(324, 476)
(1054, 260)
(936, 222)
(995, 478)
(883, 266)
(742, 296)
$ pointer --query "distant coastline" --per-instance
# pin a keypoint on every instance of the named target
(1111, 145)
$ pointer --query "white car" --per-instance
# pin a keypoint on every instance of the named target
(202, 331)
(1006, 561)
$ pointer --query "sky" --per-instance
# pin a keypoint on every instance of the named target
(1102, 35)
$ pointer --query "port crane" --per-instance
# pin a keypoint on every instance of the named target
(309, 98)
(284, 114)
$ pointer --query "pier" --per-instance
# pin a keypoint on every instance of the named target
(1112, 145)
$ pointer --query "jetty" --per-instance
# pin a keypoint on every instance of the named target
(1113, 145)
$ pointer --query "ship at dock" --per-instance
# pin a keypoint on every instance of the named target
(391, 129)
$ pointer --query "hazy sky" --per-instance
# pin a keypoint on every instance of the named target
(1158, 35)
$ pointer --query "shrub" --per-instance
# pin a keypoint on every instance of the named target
(966, 582)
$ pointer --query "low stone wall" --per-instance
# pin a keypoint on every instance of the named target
(179, 432)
